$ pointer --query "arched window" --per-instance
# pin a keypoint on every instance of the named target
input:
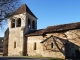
(18, 24)
(35, 46)
(14, 44)
(13, 23)
(29, 23)
(33, 24)
(51, 45)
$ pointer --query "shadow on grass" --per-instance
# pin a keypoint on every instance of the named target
(53, 59)
(29, 58)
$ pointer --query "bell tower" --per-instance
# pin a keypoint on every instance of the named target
(21, 22)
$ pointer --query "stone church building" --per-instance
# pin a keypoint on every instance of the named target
(23, 39)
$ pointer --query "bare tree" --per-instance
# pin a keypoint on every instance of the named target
(7, 7)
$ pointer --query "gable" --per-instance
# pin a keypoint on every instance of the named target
(49, 38)
(57, 42)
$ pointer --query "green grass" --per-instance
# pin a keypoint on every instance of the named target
(45, 58)
(53, 59)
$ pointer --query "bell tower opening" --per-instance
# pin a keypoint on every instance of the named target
(18, 22)
(29, 23)
(13, 23)
(33, 24)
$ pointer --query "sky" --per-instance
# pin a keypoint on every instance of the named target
(52, 12)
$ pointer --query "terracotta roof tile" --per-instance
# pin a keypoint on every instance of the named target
(22, 9)
(64, 27)
(35, 33)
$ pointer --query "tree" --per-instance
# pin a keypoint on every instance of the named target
(7, 7)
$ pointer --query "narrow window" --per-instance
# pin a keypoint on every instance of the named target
(29, 23)
(14, 44)
(33, 24)
(13, 23)
(34, 46)
(51, 45)
(18, 22)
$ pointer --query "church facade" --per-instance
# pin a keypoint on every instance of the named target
(60, 41)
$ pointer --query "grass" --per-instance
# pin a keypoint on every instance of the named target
(47, 58)
(24, 57)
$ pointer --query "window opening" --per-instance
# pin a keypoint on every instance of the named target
(51, 45)
(29, 23)
(34, 46)
(13, 23)
(14, 44)
(33, 24)
(18, 22)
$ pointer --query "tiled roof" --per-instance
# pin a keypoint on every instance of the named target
(22, 9)
(63, 27)
(57, 28)
(35, 33)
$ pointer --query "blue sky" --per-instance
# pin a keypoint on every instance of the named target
(53, 12)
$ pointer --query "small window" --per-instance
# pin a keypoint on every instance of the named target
(29, 23)
(13, 23)
(51, 45)
(33, 24)
(18, 22)
(34, 46)
(14, 44)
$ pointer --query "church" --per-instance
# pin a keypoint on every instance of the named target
(22, 38)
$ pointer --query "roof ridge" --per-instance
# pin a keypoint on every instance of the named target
(23, 8)
(63, 24)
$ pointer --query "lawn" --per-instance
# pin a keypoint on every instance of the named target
(34, 57)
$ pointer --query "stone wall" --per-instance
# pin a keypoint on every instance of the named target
(26, 22)
(30, 46)
(18, 38)
(44, 49)
(16, 35)
(65, 44)
(57, 51)
(74, 36)
(5, 43)
(70, 37)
